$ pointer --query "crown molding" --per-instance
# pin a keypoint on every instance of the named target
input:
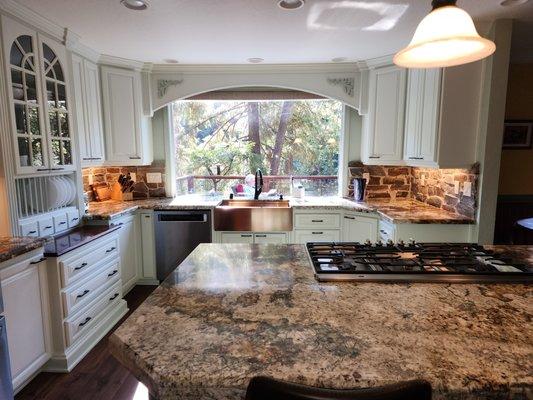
(35, 20)
(201, 69)
(378, 61)
(72, 42)
(125, 63)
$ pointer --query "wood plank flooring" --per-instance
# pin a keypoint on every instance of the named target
(98, 376)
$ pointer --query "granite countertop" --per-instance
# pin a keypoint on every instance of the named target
(11, 247)
(400, 211)
(231, 312)
(75, 238)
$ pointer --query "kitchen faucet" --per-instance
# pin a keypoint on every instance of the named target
(258, 184)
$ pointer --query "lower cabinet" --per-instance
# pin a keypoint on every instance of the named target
(428, 233)
(253, 237)
(25, 295)
(129, 236)
(305, 236)
(356, 228)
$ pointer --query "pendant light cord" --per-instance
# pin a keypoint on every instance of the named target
(442, 3)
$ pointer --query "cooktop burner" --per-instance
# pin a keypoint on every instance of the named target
(416, 262)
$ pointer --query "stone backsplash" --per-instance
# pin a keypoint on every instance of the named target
(436, 188)
(109, 175)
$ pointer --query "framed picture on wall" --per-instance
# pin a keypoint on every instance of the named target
(517, 134)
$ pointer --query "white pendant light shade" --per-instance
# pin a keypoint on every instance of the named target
(444, 38)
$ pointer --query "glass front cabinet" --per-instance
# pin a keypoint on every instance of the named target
(40, 111)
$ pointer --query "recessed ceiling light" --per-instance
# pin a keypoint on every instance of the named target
(291, 4)
(510, 3)
(255, 60)
(171, 61)
(339, 59)
(138, 5)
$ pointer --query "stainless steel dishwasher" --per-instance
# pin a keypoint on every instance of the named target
(177, 233)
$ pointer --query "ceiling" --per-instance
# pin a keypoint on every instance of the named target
(231, 31)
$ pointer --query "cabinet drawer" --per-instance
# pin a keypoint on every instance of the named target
(73, 218)
(305, 236)
(81, 262)
(311, 221)
(246, 237)
(29, 229)
(75, 298)
(77, 325)
(46, 227)
(270, 238)
(60, 222)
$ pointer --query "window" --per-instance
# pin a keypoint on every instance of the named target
(218, 143)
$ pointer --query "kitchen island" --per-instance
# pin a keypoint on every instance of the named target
(231, 312)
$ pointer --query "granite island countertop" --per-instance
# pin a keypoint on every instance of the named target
(11, 247)
(400, 211)
(231, 312)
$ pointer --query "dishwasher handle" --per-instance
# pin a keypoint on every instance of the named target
(182, 217)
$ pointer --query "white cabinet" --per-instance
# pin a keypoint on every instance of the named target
(86, 84)
(24, 289)
(38, 90)
(127, 131)
(356, 228)
(305, 236)
(425, 233)
(148, 270)
(383, 126)
(274, 238)
(129, 245)
(232, 237)
(442, 111)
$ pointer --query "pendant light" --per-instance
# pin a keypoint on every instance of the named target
(444, 38)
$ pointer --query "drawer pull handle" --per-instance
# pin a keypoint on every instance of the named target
(48, 227)
(135, 158)
(62, 222)
(83, 294)
(317, 233)
(246, 235)
(317, 220)
(147, 216)
(84, 322)
(40, 260)
(349, 217)
(110, 250)
(75, 219)
(83, 265)
(416, 158)
(374, 157)
(261, 236)
(112, 273)
(32, 232)
(114, 297)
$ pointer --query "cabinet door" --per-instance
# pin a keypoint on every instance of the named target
(94, 111)
(359, 229)
(55, 86)
(121, 114)
(413, 114)
(129, 255)
(23, 81)
(148, 246)
(305, 236)
(384, 124)
(230, 237)
(79, 96)
(23, 289)
(270, 238)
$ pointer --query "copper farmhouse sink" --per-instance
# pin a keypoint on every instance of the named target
(253, 216)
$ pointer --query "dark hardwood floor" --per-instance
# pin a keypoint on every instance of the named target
(98, 376)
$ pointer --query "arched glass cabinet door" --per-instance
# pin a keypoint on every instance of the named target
(57, 110)
(24, 69)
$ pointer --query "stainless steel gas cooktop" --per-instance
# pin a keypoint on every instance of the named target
(414, 262)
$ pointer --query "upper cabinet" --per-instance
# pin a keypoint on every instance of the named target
(383, 126)
(442, 113)
(127, 130)
(86, 84)
(40, 111)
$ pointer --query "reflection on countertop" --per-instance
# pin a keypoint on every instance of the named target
(399, 211)
(75, 238)
(11, 247)
(230, 312)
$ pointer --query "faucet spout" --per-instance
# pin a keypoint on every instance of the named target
(258, 184)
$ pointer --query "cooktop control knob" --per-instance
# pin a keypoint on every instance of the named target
(368, 242)
(379, 243)
(390, 242)
(401, 242)
(412, 242)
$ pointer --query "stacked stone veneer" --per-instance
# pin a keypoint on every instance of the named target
(401, 183)
(109, 175)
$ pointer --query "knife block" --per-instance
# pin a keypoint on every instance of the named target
(116, 193)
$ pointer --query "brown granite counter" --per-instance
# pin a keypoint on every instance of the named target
(75, 238)
(11, 247)
(231, 312)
